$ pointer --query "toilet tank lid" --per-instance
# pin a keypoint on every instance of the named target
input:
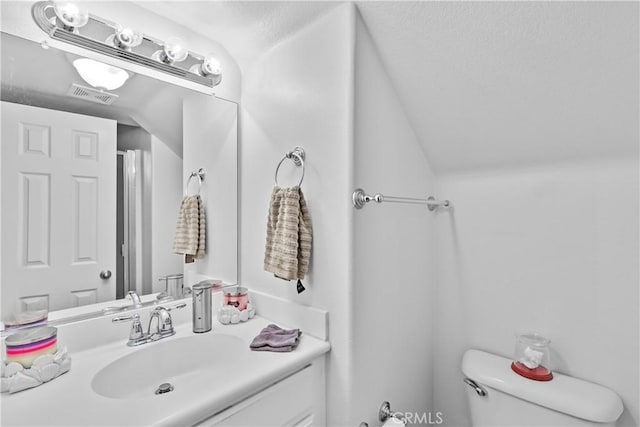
(563, 393)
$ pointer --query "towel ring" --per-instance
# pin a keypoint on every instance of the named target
(200, 175)
(297, 155)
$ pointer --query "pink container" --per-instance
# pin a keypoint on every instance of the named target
(237, 297)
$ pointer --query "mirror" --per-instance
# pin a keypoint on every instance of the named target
(92, 182)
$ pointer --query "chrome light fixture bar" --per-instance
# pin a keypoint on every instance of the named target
(98, 35)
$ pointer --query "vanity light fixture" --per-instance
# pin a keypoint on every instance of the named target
(100, 75)
(68, 23)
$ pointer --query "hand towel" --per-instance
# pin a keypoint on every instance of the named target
(274, 338)
(289, 234)
(190, 229)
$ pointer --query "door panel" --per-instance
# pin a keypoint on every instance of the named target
(58, 208)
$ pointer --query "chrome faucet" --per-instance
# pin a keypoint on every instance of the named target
(160, 326)
(163, 325)
(135, 299)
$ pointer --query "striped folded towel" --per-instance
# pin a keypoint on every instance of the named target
(289, 235)
(190, 229)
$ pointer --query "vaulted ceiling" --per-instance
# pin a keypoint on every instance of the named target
(484, 84)
(503, 84)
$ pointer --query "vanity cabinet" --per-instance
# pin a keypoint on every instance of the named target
(296, 400)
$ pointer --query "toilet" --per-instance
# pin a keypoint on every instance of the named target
(498, 396)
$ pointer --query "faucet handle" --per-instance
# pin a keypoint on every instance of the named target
(122, 318)
(177, 307)
(136, 334)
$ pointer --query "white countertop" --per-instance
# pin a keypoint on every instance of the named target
(70, 400)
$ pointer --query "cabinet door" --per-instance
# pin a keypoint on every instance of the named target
(289, 402)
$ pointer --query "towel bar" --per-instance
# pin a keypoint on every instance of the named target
(360, 198)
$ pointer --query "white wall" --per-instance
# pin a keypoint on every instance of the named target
(394, 250)
(299, 92)
(552, 248)
(320, 90)
(210, 130)
(166, 196)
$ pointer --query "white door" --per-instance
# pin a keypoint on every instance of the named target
(58, 208)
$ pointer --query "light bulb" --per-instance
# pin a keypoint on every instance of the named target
(210, 67)
(175, 50)
(125, 38)
(70, 15)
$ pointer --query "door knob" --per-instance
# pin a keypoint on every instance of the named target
(105, 274)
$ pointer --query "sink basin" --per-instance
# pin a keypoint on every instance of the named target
(176, 361)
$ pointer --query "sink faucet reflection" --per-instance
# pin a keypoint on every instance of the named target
(135, 298)
(160, 326)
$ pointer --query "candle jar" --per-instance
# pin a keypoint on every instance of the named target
(532, 357)
(26, 346)
(236, 296)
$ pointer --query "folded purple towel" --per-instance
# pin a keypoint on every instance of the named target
(274, 338)
(275, 349)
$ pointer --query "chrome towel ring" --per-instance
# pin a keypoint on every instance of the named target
(297, 155)
(200, 175)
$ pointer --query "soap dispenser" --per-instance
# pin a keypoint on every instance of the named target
(202, 315)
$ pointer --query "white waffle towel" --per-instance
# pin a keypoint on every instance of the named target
(289, 234)
(190, 229)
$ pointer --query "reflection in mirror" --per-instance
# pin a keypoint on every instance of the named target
(92, 181)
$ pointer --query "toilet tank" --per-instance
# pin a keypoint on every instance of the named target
(512, 400)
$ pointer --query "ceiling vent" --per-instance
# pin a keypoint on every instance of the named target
(90, 94)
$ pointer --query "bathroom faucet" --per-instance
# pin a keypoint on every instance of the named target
(163, 325)
(160, 326)
(135, 299)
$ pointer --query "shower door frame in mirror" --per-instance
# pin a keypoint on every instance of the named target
(209, 142)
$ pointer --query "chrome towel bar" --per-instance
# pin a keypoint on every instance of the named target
(360, 198)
